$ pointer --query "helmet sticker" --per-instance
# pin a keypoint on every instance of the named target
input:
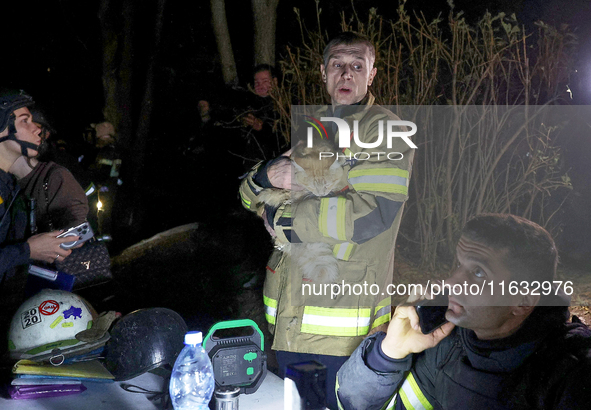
(74, 312)
(30, 317)
(56, 322)
(49, 307)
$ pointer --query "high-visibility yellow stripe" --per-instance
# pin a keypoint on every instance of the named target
(331, 218)
(387, 188)
(382, 312)
(340, 222)
(389, 180)
(343, 250)
(418, 392)
(407, 404)
(334, 331)
(271, 319)
(336, 321)
(411, 395)
(383, 303)
(380, 320)
(88, 191)
(391, 404)
(269, 302)
(337, 312)
(115, 168)
(360, 172)
(245, 200)
(270, 309)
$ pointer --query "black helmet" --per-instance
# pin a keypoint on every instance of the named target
(11, 101)
(144, 340)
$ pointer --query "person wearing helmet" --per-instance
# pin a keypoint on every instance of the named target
(60, 200)
(19, 136)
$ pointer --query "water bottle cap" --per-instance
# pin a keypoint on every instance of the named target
(193, 338)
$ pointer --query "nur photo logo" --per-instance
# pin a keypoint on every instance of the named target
(387, 130)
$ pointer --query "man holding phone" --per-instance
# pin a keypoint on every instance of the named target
(498, 351)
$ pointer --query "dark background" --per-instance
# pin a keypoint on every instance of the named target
(52, 49)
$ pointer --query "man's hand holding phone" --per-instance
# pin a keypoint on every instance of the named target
(404, 335)
(432, 313)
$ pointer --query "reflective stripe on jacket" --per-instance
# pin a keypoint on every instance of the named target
(361, 225)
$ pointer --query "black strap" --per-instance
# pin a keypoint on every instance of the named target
(24, 144)
(12, 137)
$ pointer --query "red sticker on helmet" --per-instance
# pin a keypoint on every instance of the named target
(49, 307)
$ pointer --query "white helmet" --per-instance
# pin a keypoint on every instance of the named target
(46, 325)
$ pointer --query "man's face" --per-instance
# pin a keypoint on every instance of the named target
(348, 73)
(490, 314)
(26, 130)
(263, 82)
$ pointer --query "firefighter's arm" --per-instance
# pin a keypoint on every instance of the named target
(256, 181)
(360, 386)
(249, 189)
(271, 174)
(378, 187)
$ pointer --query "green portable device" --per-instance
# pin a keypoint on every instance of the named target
(238, 358)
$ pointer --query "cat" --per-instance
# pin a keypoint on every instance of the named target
(318, 176)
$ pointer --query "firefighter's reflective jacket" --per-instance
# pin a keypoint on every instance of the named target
(544, 365)
(361, 224)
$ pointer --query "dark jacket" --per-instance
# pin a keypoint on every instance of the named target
(542, 366)
(13, 250)
(267, 143)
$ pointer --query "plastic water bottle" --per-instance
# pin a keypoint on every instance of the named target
(192, 382)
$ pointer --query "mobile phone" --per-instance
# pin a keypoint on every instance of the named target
(432, 313)
(83, 231)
